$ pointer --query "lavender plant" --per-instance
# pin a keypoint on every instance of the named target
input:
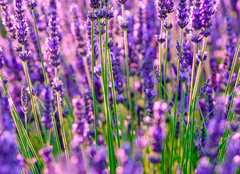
(85, 87)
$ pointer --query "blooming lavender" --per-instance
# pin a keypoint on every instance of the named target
(53, 35)
(8, 20)
(9, 158)
(182, 14)
(21, 24)
(231, 161)
(207, 10)
(157, 131)
(47, 117)
(71, 123)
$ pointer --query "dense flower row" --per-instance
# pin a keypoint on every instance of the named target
(124, 86)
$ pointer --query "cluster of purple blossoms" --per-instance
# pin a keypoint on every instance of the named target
(81, 125)
(232, 159)
(47, 116)
(207, 10)
(118, 79)
(182, 14)
(21, 24)
(10, 161)
(8, 20)
(215, 129)
(129, 161)
(72, 35)
(53, 35)
(157, 131)
(148, 85)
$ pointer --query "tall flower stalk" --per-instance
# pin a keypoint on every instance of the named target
(122, 2)
(182, 16)
(31, 5)
(105, 90)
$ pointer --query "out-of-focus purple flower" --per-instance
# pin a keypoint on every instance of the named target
(129, 163)
(182, 14)
(81, 125)
(94, 4)
(57, 84)
(232, 157)
(207, 10)
(8, 20)
(31, 4)
(147, 70)
(9, 159)
(2, 58)
(6, 118)
(204, 166)
(236, 102)
(162, 9)
(46, 155)
(215, 129)
(118, 79)
(122, 1)
(97, 160)
(24, 56)
(47, 116)
(77, 162)
(157, 131)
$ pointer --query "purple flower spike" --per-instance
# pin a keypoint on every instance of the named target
(47, 117)
(182, 14)
(31, 4)
(207, 10)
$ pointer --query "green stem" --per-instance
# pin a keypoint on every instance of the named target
(232, 68)
(17, 121)
(62, 126)
(160, 63)
(93, 84)
(105, 89)
(114, 97)
(194, 100)
(176, 102)
(165, 68)
(39, 46)
(127, 70)
(24, 64)
(230, 114)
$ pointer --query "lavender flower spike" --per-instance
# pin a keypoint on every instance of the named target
(182, 14)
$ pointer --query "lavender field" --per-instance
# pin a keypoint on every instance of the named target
(119, 87)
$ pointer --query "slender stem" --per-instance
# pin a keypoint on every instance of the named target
(194, 100)
(62, 126)
(165, 67)
(226, 132)
(17, 121)
(232, 68)
(114, 97)
(127, 70)
(40, 49)
(25, 117)
(193, 73)
(93, 84)
(176, 102)
(87, 72)
(24, 64)
(160, 63)
(107, 111)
